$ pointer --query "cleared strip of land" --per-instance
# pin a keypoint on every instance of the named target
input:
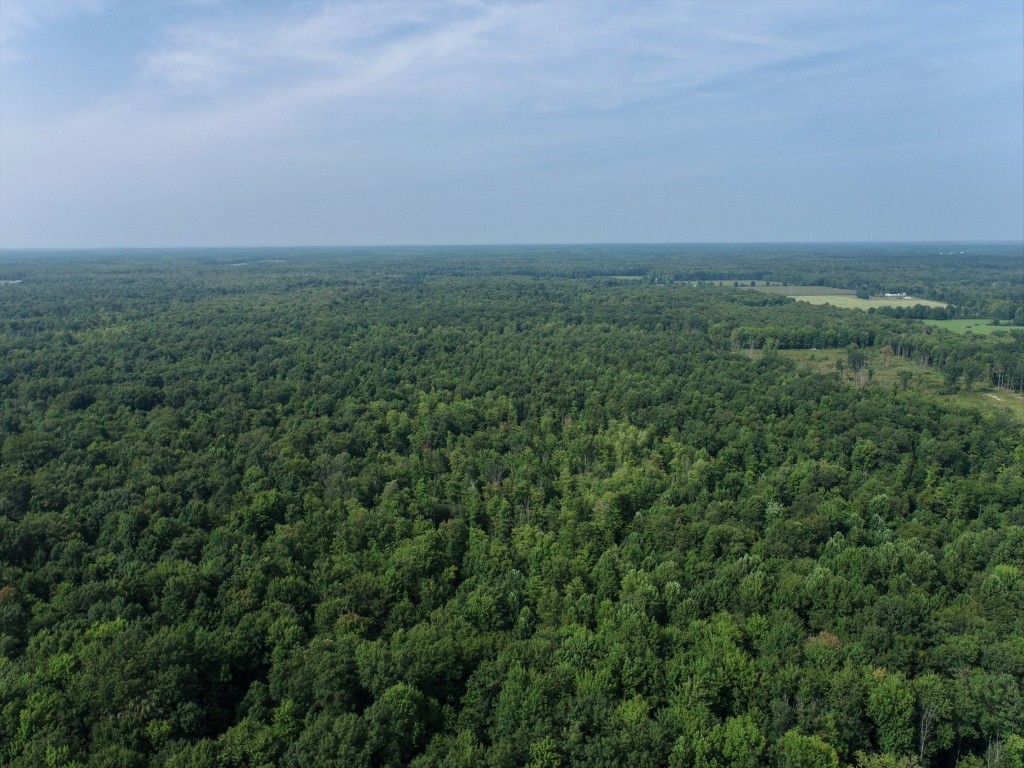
(981, 327)
(846, 301)
(796, 291)
(842, 297)
(922, 379)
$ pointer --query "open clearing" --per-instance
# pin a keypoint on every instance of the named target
(848, 301)
(923, 379)
(982, 327)
(757, 285)
(841, 297)
(798, 291)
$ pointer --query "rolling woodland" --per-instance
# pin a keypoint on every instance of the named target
(542, 507)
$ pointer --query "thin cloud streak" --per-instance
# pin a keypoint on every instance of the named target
(538, 57)
(19, 18)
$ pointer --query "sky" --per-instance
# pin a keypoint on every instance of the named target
(248, 123)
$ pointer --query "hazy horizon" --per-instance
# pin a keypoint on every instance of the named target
(1015, 244)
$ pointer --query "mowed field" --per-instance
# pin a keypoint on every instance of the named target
(846, 301)
(839, 297)
(800, 291)
(923, 379)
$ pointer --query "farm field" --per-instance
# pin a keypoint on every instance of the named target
(841, 297)
(922, 379)
(796, 291)
(758, 285)
(849, 301)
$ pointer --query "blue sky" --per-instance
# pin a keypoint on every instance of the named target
(207, 123)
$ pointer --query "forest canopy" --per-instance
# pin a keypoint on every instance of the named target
(545, 506)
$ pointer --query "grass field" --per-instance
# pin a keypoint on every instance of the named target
(923, 379)
(982, 327)
(840, 297)
(759, 285)
(798, 291)
(848, 301)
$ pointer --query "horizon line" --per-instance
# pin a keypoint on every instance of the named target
(532, 244)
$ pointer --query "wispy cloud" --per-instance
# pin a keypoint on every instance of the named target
(372, 96)
(19, 18)
(532, 56)
(262, 63)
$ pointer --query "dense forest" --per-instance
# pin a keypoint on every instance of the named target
(505, 507)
